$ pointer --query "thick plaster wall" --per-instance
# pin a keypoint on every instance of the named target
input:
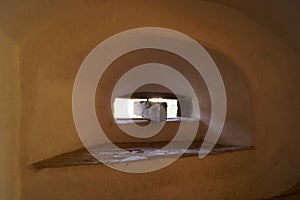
(9, 119)
(238, 129)
(50, 60)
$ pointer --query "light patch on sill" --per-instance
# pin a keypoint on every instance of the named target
(132, 153)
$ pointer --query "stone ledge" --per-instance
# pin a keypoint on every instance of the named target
(132, 152)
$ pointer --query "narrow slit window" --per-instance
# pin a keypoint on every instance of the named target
(125, 108)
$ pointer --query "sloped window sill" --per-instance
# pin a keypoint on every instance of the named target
(134, 152)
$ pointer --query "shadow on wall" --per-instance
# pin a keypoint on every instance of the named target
(238, 129)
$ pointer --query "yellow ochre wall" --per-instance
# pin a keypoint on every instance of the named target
(9, 119)
(58, 38)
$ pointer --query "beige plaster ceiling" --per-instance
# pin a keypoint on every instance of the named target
(20, 19)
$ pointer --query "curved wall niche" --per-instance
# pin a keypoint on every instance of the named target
(237, 133)
(239, 121)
